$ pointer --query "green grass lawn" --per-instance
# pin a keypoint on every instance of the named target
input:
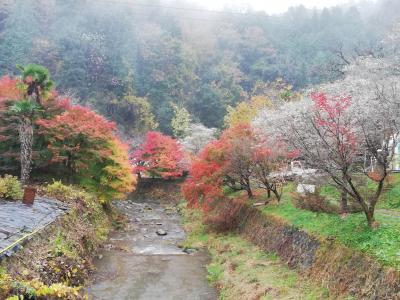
(241, 270)
(390, 198)
(382, 243)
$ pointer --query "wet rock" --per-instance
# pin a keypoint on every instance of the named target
(189, 250)
(161, 232)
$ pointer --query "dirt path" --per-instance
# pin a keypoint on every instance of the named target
(140, 264)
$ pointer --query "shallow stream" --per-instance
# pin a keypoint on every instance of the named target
(138, 263)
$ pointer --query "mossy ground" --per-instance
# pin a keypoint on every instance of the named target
(241, 270)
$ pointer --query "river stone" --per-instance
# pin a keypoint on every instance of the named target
(161, 232)
(189, 250)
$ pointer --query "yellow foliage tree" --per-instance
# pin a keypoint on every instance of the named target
(246, 111)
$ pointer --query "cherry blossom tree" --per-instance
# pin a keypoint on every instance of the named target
(197, 136)
(336, 133)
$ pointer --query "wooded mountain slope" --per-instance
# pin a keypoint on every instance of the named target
(158, 52)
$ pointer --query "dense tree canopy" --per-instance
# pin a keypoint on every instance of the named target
(71, 142)
(204, 62)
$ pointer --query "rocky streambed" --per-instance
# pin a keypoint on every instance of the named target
(144, 261)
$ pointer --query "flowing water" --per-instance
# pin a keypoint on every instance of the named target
(138, 263)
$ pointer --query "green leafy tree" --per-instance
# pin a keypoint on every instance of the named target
(181, 121)
(133, 113)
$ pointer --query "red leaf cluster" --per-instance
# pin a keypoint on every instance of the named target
(240, 156)
(79, 120)
(9, 91)
(330, 118)
(158, 156)
(204, 186)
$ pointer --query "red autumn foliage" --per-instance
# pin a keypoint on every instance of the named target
(86, 144)
(80, 120)
(240, 141)
(204, 186)
(329, 112)
(158, 156)
(240, 157)
(9, 90)
(83, 144)
(77, 136)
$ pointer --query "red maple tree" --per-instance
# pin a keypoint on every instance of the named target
(204, 186)
(240, 141)
(270, 159)
(158, 156)
(86, 144)
(77, 136)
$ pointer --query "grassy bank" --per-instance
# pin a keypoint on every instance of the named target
(241, 270)
(56, 263)
(382, 243)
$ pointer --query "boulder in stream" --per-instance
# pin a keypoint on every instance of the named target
(161, 232)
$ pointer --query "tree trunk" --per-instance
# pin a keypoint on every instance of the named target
(277, 195)
(25, 130)
(269, 193)
(343, 203)
(370, 217)
(249, 193)
(245, 183)
(368, 209)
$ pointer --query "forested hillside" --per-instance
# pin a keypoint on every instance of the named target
(131, 60)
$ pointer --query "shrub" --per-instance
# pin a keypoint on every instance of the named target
(10, 188)
(58, 190)
(314, 202)
(317, 203)
(36, 289)
(225, 214)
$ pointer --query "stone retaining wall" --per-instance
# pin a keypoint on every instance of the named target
(341, 269)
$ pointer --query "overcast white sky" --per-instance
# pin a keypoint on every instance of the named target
(270, 6)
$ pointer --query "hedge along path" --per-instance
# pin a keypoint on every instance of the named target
(19, 222)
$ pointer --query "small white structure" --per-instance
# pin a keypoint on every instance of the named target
(395, 166)
(305, 188)
(294, 170)
(370, 162)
